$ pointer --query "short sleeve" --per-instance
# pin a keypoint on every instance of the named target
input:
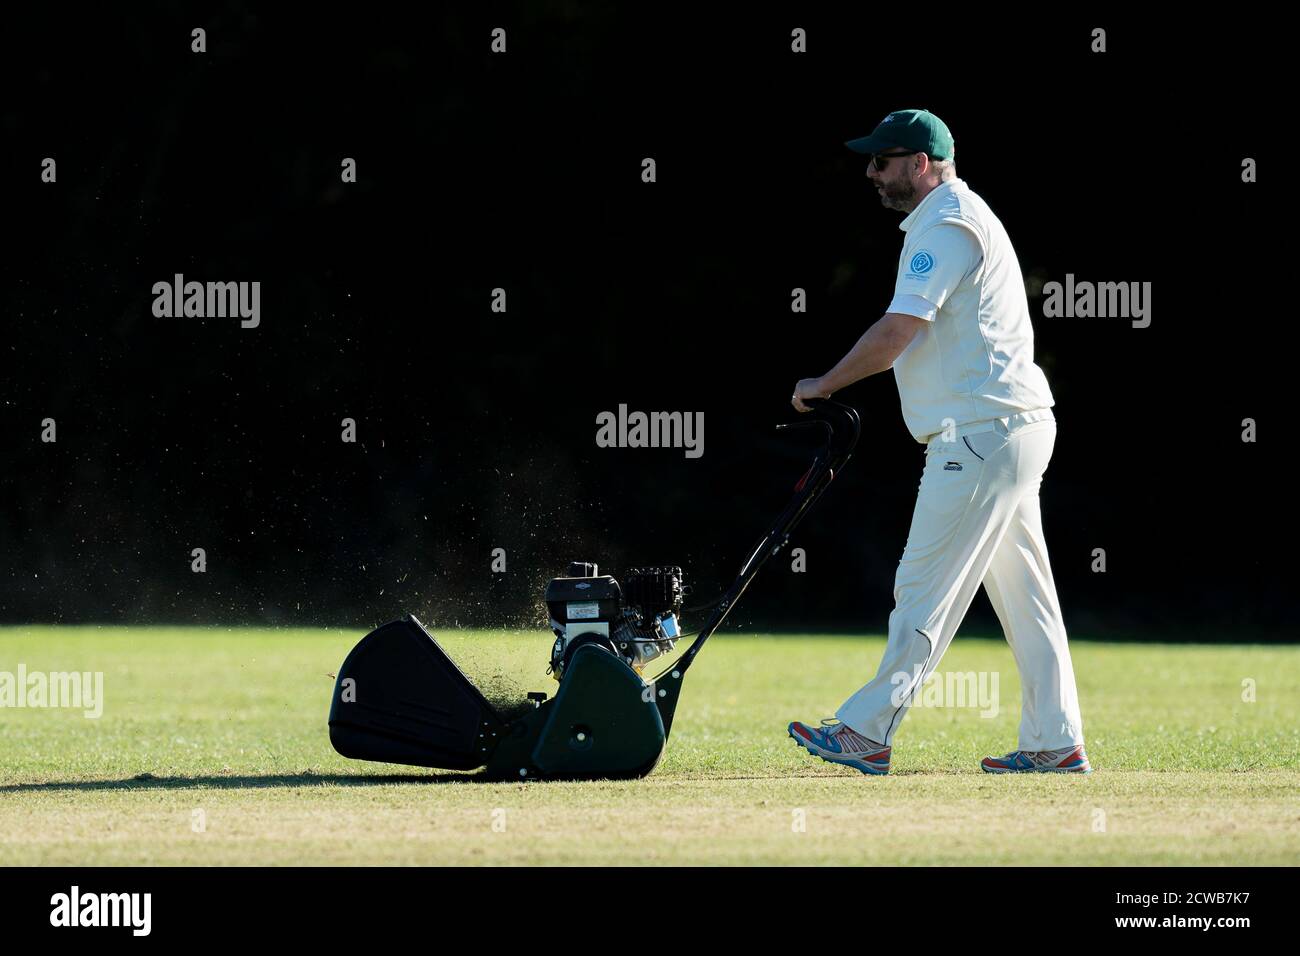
(914, 305)
(937, 262)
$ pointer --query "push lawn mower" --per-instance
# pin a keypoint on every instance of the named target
(400, 699)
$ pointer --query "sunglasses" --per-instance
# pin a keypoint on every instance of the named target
(881, 160)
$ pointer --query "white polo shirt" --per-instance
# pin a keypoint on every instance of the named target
(974, 359)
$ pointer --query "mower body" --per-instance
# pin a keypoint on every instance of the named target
(399, 698)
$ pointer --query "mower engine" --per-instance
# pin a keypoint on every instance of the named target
(637, 622)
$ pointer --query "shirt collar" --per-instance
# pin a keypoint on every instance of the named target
(945, 187)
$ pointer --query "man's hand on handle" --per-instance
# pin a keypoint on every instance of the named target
(808, 388)
(876, 351)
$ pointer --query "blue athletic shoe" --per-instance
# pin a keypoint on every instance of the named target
(839, 743)
(1067, 760)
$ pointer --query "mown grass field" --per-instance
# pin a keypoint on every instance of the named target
(212, 749)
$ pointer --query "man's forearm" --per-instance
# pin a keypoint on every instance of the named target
(876, 351)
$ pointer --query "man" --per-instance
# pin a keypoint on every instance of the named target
(958, 337)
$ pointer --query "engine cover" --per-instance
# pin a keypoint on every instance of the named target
(636, 622)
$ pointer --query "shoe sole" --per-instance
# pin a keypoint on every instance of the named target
(1036, 769)
(842, 761)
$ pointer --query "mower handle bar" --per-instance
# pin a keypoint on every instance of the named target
(842, 427)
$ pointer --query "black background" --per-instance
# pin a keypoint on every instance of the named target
(476, 430)
(188, 901)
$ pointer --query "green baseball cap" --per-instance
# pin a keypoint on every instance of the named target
(920, 130)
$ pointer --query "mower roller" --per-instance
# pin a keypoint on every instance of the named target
(399, 698)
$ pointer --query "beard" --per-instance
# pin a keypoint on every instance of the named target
(900, 195)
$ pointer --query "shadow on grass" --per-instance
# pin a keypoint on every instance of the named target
(232, 782)
(293, 780)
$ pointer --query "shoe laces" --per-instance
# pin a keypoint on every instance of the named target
(1040, 757)
(837, 726)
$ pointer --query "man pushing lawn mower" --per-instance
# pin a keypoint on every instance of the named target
(958, 337)
(959, 340)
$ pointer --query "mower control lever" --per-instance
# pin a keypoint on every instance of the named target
(842, 429)
(815, 423)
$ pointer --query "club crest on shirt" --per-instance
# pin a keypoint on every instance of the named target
(921, 263)
(952, 466)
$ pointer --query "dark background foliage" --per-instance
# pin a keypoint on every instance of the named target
(522, 171)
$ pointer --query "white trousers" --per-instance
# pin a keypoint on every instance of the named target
(977, 521)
